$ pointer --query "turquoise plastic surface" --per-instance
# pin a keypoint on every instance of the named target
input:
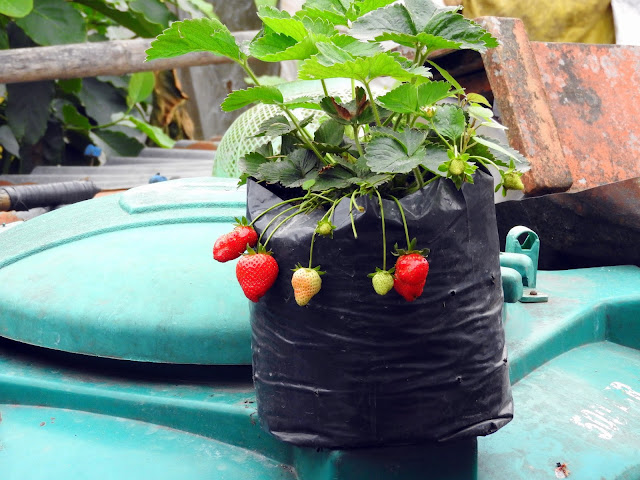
(129, 276)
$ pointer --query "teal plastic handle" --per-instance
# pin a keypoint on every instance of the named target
(529, 246)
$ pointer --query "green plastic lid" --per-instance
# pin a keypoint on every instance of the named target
(130, 276)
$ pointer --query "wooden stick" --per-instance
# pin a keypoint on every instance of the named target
(92, 59)
(5, 201)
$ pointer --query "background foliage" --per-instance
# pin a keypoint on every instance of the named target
(52, 122)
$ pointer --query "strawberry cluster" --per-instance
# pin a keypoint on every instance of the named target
(257, 270)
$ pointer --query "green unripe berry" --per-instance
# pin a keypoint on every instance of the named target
(382, 282)
(456, 167)
(512, 181)
(324, 228)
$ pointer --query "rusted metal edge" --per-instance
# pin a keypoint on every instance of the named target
(519, 92)
(116, 57)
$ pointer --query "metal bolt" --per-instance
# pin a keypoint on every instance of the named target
(533, 293)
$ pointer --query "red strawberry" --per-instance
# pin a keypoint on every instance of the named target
(409, 292)
(256, 272)
(233, 244)
(412, 268)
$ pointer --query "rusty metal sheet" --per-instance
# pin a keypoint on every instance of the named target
(592, 91)
(520, 95)
(599, 226)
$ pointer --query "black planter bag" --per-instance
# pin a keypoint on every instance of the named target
(356, 369)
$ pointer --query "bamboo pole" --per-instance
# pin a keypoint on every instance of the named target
(79, 60)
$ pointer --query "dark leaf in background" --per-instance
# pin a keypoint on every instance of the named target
(53, 144)
(116, 143)
(52, 22)
(101, 100)
(28, 109)
(8, 141)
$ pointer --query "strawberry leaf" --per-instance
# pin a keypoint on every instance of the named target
(436, 155)
(330, 132)
(242, 98)
(281, 22)
(393, 19)
(297, 168)
(365, 6)
(199, 35)
(503, 154)
(265, 49)
(362, 68)
(395, 152)
(408, 98)
(274, 127)
(355, 47)
(449, 121)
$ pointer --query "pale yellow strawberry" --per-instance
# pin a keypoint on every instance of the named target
(306, 283)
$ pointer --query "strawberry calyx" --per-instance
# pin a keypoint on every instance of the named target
(325, 228)
(300, 267)
(242, 222)
(380, 270)
(411, 248)
(259, 249)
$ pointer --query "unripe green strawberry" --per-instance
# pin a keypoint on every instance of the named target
(325, 228)
(456, 167)
(382, 282)
(512, 181)
(306, 282)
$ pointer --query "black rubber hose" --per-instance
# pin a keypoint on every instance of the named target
(26, 197)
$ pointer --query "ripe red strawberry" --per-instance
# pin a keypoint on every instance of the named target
(306, 282)
(233, 244)
(256, 272)
(412, 268)
(409, 292)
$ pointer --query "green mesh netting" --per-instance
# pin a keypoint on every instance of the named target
(239, 138)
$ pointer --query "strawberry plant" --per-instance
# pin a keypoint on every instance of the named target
(384, 146)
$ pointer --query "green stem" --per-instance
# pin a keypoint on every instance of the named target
(247, 68)
(353, 88)
(351, 204)
(388, 120)
(278, 226)
(384, 236)
(404, 221)
(273, 220)
(356, 129)
(373, 103)
(397, 124)
(433, 127)
(324, 87)
(275, 206)
(305, 136)
(313, 239)
(418, 175)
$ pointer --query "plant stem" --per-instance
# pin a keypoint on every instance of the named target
(384, 236)
(275, 206)
(398, 120)
(404, 221)
(247, 68)
(418, 175)
(313, 239)
(278, 226)
(373, 103)
(273, 220)
(356, 129)
(305, 136)
(351, 204)
(324, 87)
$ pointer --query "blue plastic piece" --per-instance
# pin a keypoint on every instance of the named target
(529, 246)
(157, 178)
(92, 151)
(511, 284)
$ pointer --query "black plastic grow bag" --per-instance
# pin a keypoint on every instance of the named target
(354, 369)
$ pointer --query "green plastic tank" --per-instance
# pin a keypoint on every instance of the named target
(125, 353)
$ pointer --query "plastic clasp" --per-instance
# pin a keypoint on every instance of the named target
(525, 241)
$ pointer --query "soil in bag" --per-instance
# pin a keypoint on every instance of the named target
(356, 369)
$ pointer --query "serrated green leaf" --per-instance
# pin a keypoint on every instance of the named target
(447, 76)
(52, 22)
(274, 127)
(504, 153)
(387, 155)
(449, 121)
(480, 112)
(402, 99)
(15, 8)
(330, 132)
(454, 27)
(330, 16)
(391, 19)
(241, 98)
(251, 163)
(432, 92)
(410, 138)
(298, 167)
(421, 12)
(331, 54)
(319, 26)
(435, 156)
(365, 6)
(363, 69)
(140, 87)
(116, 143)
(333, 177)
(154, 133)
(73, 117)
(477, 98)
(265, 49)
(197, 35)
(27, 109)
(355, 47)
(282, 22)
(270, 43)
